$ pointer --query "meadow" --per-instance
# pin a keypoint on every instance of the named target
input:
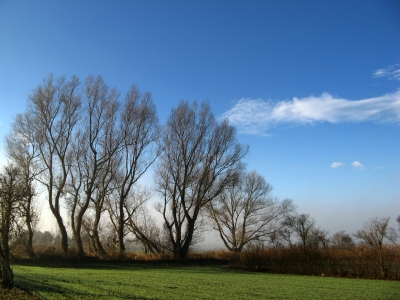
(186, 281)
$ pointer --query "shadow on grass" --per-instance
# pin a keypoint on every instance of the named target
(95, 263)
(39, 287)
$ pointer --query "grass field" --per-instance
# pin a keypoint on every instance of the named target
(136, 281)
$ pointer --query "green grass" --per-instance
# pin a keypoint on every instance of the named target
(133, 281)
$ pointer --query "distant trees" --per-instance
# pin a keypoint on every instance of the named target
(302, 225)
(398, 221)
(343, 240)
(244, 212)
(373, 234)
(200, 158)
(375, 231)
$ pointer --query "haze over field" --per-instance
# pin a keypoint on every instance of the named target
(312, 86)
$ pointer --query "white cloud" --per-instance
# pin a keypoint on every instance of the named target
(335, 165)
(357, 164)
(255, 116)
(393, 72)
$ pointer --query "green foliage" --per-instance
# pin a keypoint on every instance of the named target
(161, 281)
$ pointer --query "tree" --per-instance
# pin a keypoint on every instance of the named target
(374, 233)
(95, 144)
(52, 115)
(398, 221)
(200, 158)
(245, 212)
(24, 155)
(302, 225)
(142, 224)
(139, 132)
(319, 237)
(12, 194)
(342, 239)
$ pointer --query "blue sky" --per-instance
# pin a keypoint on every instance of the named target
(312, 86)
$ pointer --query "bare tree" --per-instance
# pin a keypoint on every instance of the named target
(139, 132)
(201, 157)
(24, 155)
(104, 188)
(342, 239)
(374, 233)
(53, 112)
(285, 234)
(12, 194)
(144, 226)
(302, 225)
(94, 146)
(245, 212)
(319, 237)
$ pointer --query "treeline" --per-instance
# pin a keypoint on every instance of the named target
(374, 253)
(83, 148)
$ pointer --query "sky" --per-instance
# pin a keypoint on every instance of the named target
(313, 87)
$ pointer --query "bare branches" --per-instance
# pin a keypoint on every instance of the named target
(51, 118)
(375, 231)
(138, 133)
(302, 225)
(245, 212)
(200, 158)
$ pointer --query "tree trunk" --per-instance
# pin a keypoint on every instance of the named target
(121, 245)
(28, 221)
(79, 246)
(63, 231)
(98, 246)
(181, 251)
(64, 234)
(6, 274)
(78, 231)
(29, 244)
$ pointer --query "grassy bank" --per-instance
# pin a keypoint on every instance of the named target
(174, 281)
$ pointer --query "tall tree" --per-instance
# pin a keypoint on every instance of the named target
(53, 112)
(200, 158)
(139, 131)
(12, 194)
(245, 212)
(95, 145)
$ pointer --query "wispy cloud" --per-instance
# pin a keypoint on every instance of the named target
(255, 116)
(393, 72)
(356, 164)
(335, 165)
